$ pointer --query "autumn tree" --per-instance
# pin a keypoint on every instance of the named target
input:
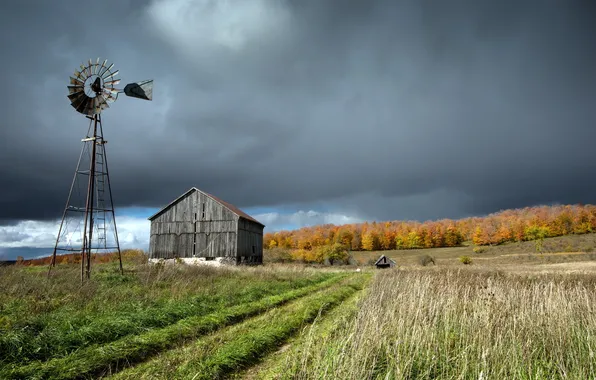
(370, 241)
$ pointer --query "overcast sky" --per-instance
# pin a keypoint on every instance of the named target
(304, 111)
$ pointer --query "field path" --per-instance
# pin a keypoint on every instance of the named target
(282, 363)
(96, 360)
(240, 346)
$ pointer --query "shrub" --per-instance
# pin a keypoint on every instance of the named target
(479, 249)
(277, 255)
(465, 260)
(536, 232)
(424, 260)
(337, 253)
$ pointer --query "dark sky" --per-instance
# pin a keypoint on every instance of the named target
(382, 109)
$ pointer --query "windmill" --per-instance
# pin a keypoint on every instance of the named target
(91, 90)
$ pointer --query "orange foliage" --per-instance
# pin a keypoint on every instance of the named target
(505, 226)
(75, 258)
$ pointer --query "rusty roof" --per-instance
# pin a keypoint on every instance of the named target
(227, 205)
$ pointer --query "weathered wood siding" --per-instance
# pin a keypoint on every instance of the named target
(196, 225)
(250, 241)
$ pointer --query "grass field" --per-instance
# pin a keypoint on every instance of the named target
(512, 313)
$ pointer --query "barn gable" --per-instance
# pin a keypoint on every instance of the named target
(384, 262)
(235, 210)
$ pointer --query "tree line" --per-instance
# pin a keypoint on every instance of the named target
(530, 223)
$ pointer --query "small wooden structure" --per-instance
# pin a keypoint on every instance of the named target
(384, 262)
(198, 226)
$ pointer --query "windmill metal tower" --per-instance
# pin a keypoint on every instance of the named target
(90, 201)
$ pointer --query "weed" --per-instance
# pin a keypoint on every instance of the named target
(466, 260)
(459, 324)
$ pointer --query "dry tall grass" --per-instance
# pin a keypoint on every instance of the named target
(462, 324)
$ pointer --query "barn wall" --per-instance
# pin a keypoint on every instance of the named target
(250, 241)
(196, 224)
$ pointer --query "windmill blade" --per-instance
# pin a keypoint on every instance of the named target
(112, 83)
(81, 74)
(104, 106)
(88, 69)
(75, 89)
(111, 75)
(77, 101)
(101, 103)
(82, 107)
(93, 105)
(98, 104)
(105, 69)
(96, 67)
(101, 69)
(76, 95)
(112, 98)
(141, 90)
(76, 82)
(109, 96)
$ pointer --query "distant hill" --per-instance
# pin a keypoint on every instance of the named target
(525, 224)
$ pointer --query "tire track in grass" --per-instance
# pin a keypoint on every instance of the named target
(240, 346)
(282, 365)
(96, 359)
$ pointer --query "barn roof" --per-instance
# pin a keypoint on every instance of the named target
(386, 259)
(227, 205)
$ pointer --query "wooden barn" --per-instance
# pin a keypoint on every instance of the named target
(198, 225)
(384, 262)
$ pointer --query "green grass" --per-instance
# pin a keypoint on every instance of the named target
(133, 348)
(231, 349)
(285, 365)
(38, 324)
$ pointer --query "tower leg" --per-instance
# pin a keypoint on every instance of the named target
(105, 157)
(87, 242)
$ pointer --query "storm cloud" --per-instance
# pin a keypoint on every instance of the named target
(376, 109)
